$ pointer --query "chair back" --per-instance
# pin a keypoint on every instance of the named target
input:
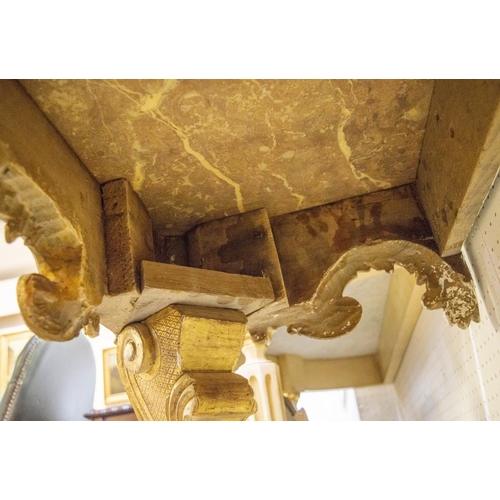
(51, 381)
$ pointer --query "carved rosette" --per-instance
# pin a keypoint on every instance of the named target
(177, 365)
(328, 314)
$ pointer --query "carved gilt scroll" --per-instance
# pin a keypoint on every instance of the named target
(329, 314)
(177, 365)
(49, 198)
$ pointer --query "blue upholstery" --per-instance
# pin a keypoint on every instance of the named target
(51, 381)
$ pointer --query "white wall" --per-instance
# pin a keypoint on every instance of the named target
(105, 340)
(453, 374)
(329, 405)
(438, 378)
(377, 403)
(482, 250)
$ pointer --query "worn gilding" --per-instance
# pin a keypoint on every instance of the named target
(329, 314)
(177, 365)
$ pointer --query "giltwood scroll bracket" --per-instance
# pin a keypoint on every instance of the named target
(329, 314)
(48, 197)
(177, 365)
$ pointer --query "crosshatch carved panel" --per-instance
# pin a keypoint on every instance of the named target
(177, 365)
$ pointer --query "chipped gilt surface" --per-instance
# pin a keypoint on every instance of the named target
(328, 314)
(221, 147)
(177, 365)
(49, 198)
(53, 303)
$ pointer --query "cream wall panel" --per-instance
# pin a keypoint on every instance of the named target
(402, 309)
(299, 374)
(342, 372)
(438, 378)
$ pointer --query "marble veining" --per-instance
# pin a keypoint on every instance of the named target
(198, 150)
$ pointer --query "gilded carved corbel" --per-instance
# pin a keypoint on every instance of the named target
(177, 365)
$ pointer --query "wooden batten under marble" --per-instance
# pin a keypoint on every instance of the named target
(129, 240)
(129, 236)
(165, 284)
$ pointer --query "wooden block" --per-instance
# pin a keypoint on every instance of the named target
(310, 241)
(165, 284)
(460, 157)
(129, 241)
(240, 244)
(171, 249)
(129, 237)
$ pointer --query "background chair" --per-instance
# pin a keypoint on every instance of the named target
(51, 381)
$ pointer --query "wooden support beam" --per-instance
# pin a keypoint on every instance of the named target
(129, 237)
(48, 197)
(460, 157)
(241, 244)
(165, 284)
(129, 241)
